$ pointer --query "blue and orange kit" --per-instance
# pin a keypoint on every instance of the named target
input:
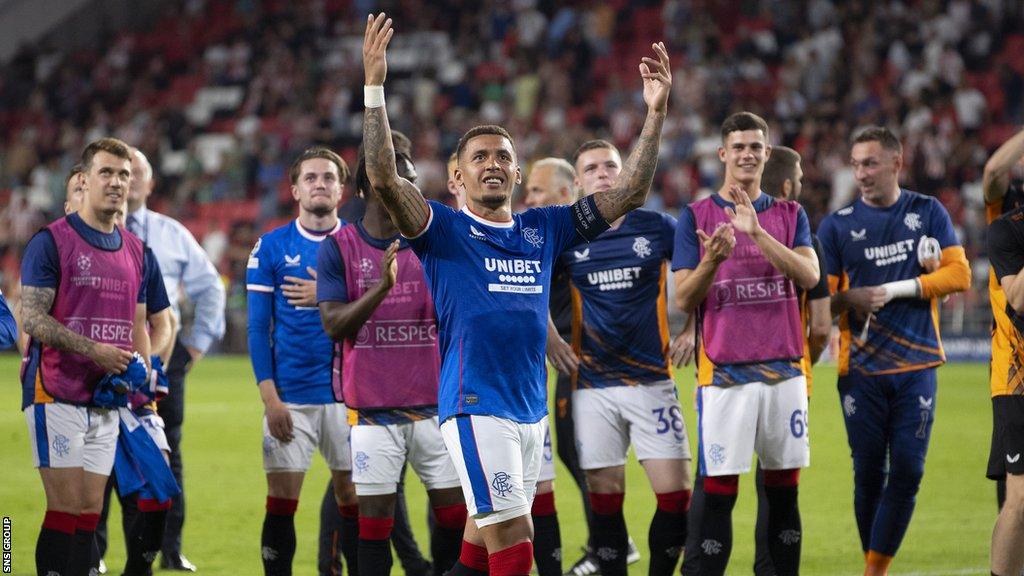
(867, 246)
(620, 309)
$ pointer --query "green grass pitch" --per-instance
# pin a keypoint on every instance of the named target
(949, 534)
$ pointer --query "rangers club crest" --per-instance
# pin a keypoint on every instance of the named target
(912, 221)
(533, 237)
(502, 483)
(642, 247)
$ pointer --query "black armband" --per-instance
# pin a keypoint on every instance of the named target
(587, 220)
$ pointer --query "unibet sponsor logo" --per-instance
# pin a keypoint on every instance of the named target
(614, 279)
(515, 276)
(890, 253)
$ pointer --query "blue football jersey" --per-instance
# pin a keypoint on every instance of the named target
(302, 353)
(490, 282)
(867, 246)
(620, 308)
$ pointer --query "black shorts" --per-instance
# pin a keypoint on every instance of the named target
(1007, 454)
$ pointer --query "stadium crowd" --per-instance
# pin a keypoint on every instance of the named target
(221, 93)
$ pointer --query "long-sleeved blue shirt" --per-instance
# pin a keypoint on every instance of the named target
(185, 266)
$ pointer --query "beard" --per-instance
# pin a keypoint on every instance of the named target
(319, 208)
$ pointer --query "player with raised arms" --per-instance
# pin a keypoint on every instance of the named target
(293, 358)
(489, 271)
(739, 257)
(1004, 194)
(84, 308)
(891, 255)
(374, 300)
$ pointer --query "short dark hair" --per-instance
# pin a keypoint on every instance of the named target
(110, 146)
(403, 149)
(482, 131)
(318, 152)
(879, 134)
(742, 121)
(75, 171)
(591, 145)
(781, 166)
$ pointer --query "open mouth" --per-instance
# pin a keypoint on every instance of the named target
(493, 181)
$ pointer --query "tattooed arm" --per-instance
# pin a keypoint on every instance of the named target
(404, 202)
(637, 173)
(39, 324)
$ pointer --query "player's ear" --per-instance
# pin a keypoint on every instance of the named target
(721, 153)
(295, 192)
(787, 188)
(897, 160)
(767, 151)
(519, 175)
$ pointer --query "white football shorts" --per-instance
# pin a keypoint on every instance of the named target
(70, 436)
(609, 419)
(498, 462)
(323, 426)
(736, 421)
(380, 451)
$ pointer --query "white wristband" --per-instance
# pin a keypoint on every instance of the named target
(902, 289)
(373, 96)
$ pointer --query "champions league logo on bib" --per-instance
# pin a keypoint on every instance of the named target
(110, 288)
(84, 263)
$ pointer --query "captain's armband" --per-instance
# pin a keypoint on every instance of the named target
(587, 220)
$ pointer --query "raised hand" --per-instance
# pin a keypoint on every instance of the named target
(375, 44)
(718, 247)
(743, 217)
(657, 78)
(389, 266)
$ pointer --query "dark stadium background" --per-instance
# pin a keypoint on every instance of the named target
(222, 94)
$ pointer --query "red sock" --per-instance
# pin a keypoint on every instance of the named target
(606, 504)
(87, 522)
(512, 561)
(153, 505)
(375, 528)
(722, 485)
(451, 517)
(281, 506)
(63, 522)
(674, 502)
(544, 504)
(473, 556)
